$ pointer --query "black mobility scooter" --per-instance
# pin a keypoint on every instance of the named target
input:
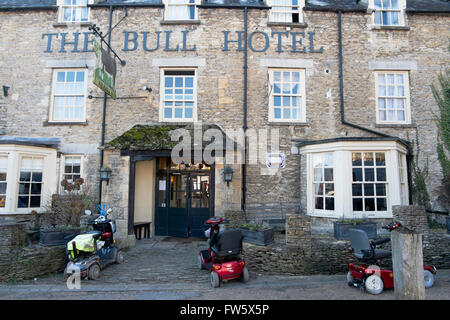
(222, 258)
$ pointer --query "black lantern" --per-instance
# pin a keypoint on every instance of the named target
(228, 175)
(105, 174)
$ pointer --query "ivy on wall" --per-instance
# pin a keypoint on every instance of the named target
(443, 124)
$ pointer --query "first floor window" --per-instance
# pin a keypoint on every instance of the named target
(68, 96)
(392, 97)
(178, 95)
(180, 10)
(74, 11)
(30, 182)
(287, 95)
(286, 11)
(3, 180)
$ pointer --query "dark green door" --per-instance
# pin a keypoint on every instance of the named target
(183, 203)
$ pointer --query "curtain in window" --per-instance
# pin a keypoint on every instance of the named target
(282, 10)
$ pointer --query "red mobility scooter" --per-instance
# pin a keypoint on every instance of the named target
(367, 275)
(222, 258)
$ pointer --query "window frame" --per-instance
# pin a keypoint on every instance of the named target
(61, 6)
(300, 6)
(53, 95)
(301, 95)
(401, 13)
(342, 159)
(63, 166)
(162, 118)
(407, 98)
(187, 4)
(18, 181)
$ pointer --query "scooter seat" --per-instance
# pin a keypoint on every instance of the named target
(95, 234)
(379, 254)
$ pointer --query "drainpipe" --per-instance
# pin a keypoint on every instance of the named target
(105, 97)
(342, 109)
(244, 166)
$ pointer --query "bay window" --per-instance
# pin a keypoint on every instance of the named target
(351, 179)
(27, 178)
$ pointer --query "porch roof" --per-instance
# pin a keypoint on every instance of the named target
(156, 136)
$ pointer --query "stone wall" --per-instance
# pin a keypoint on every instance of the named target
(19, 262)
(300, 252)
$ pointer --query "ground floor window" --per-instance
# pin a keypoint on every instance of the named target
(354, 180)
(30, 182)
(27, 178)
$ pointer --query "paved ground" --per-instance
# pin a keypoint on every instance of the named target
(165, 268)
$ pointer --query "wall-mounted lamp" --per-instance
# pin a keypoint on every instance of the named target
(228, 175)
(145, 88)
(5, 91)
(105, 174)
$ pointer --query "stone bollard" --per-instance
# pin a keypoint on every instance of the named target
(407, 261)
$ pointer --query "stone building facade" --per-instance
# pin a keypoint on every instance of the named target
(343, 86)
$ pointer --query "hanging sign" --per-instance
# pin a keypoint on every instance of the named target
(276, 160)
(105, 70)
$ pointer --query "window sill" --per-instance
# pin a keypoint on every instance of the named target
(395, 125)
(287, 24)
(300, 124)
(173, 22)
(393, 28)
(64, 123)
(70, 24)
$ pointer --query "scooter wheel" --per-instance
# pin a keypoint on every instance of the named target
(94, 272)
(119, 257)
(374, 284)
(245, 275)
(214, 278)
(200, 262)
(428, 278)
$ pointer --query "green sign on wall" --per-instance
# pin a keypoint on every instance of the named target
(105, 70)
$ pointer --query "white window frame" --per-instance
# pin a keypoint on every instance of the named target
(162, 118)
(405, 98)
(63, 165)
(15, 154)
(5, 155)
(29, 195)
(287, 8)
(186, 3)
(342, 159)
(401, 13)
(54, 94)
(301, 95)
(62, 5)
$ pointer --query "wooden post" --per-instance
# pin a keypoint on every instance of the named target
(407, 261)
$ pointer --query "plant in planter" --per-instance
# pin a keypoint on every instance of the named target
(342, 226)
(62, 218)
(257, 233)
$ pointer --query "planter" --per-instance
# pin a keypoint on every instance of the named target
(341, 229)
(261, 237)
(447, 221)
(57, 237)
